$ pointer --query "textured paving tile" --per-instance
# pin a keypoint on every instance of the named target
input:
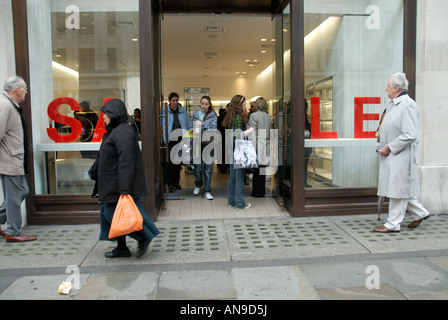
(432, 234)
(55, 246)
(287, 238)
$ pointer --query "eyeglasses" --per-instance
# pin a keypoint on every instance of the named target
(26, 88)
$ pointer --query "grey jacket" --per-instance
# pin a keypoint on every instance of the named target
(11, 138)
(260, 120)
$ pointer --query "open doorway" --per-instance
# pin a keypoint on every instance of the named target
(219, 55)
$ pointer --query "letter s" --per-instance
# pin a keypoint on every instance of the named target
(57, 117)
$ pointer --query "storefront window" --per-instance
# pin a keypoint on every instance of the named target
(352, 47)
(81, 53)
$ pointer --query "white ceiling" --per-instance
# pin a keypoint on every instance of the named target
(185, 44)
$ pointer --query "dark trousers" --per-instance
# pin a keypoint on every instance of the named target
(172, 171)
(258, 184)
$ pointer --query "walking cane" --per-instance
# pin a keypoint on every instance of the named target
(380, 206)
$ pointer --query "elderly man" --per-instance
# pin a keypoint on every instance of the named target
(398, 134)
(12, 159)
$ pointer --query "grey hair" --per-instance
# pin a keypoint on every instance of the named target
(261, 104)
(399, 79)
(13, 82)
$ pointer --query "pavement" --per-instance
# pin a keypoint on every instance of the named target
(267, 258)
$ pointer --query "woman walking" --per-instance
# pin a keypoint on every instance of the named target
(204, 119)
(120, 172)
(236, 119)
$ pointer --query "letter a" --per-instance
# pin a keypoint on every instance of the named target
(72, 21)
(373, 281)
(373, 21)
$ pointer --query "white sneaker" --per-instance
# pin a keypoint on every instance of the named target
(247, 206)
(208, 195)
(196, 191)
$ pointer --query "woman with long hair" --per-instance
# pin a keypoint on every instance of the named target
(236, 119)
(204, 119)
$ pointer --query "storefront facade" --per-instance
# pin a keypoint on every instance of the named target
(335, 55)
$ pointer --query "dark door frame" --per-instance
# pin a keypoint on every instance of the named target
(53, 209)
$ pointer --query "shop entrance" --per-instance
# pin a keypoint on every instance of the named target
(216, 55)
(220, 55)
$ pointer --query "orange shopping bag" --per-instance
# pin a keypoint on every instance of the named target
(127, 218)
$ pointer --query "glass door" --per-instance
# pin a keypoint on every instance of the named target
(151, 97)
(282, 105)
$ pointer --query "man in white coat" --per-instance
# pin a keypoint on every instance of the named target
(398, 180)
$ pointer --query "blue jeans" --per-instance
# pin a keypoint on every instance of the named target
(235, 188)
(207, 168)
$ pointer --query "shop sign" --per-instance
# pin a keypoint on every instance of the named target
(360, 117)
(76, 126)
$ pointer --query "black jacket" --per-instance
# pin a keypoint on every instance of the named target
(120, 166)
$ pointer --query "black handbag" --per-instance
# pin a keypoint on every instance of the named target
(93, 171)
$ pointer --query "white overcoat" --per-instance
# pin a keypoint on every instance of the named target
(397, 172)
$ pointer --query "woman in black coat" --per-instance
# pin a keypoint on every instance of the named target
(120, 172)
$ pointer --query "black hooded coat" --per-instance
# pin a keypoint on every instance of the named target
(120, 165)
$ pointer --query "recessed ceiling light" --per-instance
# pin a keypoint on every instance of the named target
(263, 51)
(135, 39)
(263, 39)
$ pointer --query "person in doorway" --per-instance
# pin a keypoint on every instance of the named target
(120, 172)
(88, 119)
(308, 151)
(223, 167)
(177, 119)
(138, 120)
(204, 119)
(260, 120)
(398, 136)
(236, 119)
(13, 159)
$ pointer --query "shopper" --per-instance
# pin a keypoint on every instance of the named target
(398, 178)
(13, 152)
(120, 172)
(236, 119)
(260, 120)
(204, 119)
(223, 166)
(177, 119)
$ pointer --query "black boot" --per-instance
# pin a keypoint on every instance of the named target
(121, 251)
(117, 253)
(142, 247)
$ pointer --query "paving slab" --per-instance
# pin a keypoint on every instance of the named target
(55, 246)
(385, 292)
(40, 287)
(196, 285)
(273, 283)
(414, 274)
(273, 238)
(120, 286)
(432, 234)
(186, 241)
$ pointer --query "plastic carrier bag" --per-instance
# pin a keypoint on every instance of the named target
(127, 218)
